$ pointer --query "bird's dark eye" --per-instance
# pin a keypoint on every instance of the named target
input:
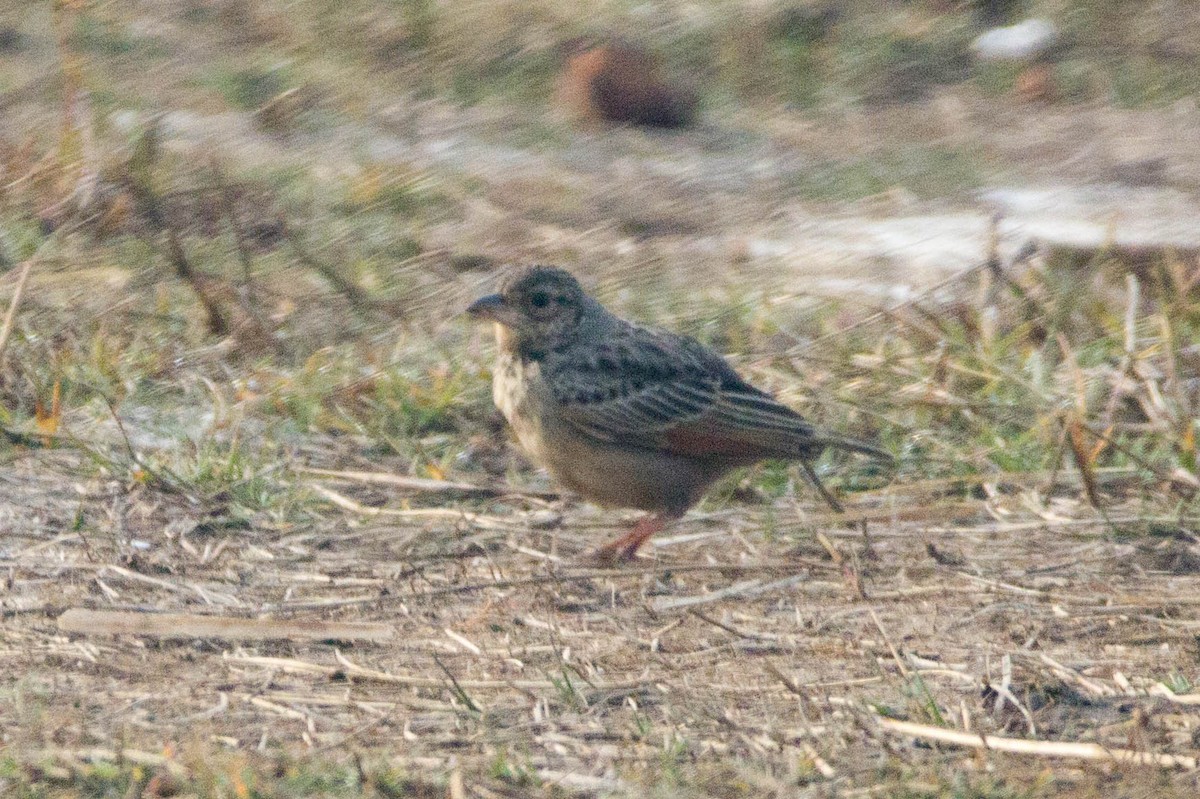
(539, 299)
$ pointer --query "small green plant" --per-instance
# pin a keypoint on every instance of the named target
(923, 703)
(213, 468)
(643, 726)
(568, 692)
(518, 773)
(1179, 683)
(675, 754)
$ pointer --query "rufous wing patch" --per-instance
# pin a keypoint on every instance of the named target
(700, 441)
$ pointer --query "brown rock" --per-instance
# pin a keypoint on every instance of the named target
(620, 82)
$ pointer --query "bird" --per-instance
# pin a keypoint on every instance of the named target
(630, 416)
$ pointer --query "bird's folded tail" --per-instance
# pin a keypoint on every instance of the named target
(854, 445)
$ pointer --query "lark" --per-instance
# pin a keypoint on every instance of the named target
(628, 416)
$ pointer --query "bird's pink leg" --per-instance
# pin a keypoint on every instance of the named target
(625, 548)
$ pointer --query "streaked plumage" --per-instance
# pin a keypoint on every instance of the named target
(625, 415)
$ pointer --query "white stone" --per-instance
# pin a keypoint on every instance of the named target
(1019, 42)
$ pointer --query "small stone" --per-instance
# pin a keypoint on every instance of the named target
(1021, 42)
(544, 519)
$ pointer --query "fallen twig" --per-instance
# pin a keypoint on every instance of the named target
(479, 520)
(11, 315)
(100, 755)
(1084, 751)
(420, 484)
(352, 671)
(743, 590)
(1161, 689)
(191, 625)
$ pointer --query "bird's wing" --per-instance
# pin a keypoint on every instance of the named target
(660, 391)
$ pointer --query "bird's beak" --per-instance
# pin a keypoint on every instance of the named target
(491, 307)
(488, 307)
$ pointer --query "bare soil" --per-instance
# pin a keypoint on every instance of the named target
(736, 646)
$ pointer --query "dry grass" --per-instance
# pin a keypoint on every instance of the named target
(738, 660)
(235, 387)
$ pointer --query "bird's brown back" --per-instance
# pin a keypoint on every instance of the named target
(605, 380)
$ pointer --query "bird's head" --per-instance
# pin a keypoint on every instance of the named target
(538, 307)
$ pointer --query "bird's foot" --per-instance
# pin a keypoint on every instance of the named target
(625, 548)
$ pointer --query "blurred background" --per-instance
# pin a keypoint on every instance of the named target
(281, 178)
(461, 133)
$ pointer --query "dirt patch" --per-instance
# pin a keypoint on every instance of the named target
(724, 641)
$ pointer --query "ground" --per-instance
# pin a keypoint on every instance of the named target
(285, 418)
(736, 660)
